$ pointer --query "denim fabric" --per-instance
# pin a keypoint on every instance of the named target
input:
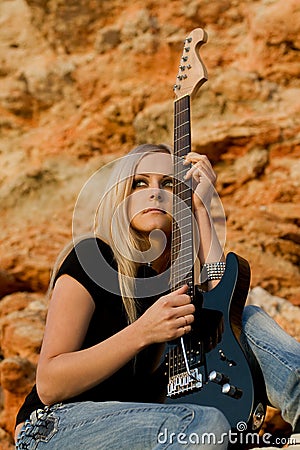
(278, 355)
(130, 426)
(40, 427)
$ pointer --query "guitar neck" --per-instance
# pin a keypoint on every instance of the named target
(182, 254)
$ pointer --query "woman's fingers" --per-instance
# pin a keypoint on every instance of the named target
(204, 177)
(200, 166)
(172, 315)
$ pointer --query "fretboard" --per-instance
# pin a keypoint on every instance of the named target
(182, 255)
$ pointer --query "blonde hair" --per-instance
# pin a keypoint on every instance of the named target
(111, 224)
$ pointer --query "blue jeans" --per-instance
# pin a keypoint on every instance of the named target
(139, 426)
(278, 355)
(125, 426)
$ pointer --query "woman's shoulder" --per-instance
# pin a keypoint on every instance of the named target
(93, 243)
(86, 249)
(91, 262)
(91, 240)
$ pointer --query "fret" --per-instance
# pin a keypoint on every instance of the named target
(180, 187)
(181, 270)
(184, 258)
(180, 218)
(182, 126)
(184, 190)
(184, 132)
(188, 253)
(183, 110)
(177, 274)
(187, 241)
(182, 233)
(182, 228)
(185, 237)
(179, 265)
(183, 137)
(181, 224)
(182, 203)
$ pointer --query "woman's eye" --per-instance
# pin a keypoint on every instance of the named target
(168, 183)
(138, 183)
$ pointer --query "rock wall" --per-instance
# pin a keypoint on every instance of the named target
(83, 81)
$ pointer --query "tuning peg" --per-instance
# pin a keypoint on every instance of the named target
(181, 77)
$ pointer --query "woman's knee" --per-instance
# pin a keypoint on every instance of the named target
(199, 427)
(211, 420)
(250, 311)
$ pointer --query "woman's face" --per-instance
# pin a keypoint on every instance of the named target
(150, 201)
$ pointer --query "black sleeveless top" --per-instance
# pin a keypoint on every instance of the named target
(92, 264)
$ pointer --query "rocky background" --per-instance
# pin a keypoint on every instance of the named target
(83, 81)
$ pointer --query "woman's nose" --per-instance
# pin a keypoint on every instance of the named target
(156, 194)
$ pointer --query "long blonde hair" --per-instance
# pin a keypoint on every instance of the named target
(111, 224)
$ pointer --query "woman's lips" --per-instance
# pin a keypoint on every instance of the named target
(154, 210)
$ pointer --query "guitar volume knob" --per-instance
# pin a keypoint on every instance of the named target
(217, 377)
(231, 391)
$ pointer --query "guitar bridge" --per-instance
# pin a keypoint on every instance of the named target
(183, 383)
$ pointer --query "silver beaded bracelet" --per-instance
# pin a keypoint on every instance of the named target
(213, 271)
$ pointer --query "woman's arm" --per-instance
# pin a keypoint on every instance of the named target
(65, 371)
(204, 177)
(210, 248)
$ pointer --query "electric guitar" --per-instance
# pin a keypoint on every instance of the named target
(193, 371)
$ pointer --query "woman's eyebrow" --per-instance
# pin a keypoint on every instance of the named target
(151, 173)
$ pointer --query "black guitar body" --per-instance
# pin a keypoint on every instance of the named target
(225, 366)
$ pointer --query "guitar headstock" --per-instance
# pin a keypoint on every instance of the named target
(192, 72)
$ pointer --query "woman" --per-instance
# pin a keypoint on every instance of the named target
(111, 313)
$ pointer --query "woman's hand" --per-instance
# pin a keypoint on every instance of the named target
(170, 317)
(204, 177)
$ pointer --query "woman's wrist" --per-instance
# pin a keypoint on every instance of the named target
(202, 209)
(140, 331)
